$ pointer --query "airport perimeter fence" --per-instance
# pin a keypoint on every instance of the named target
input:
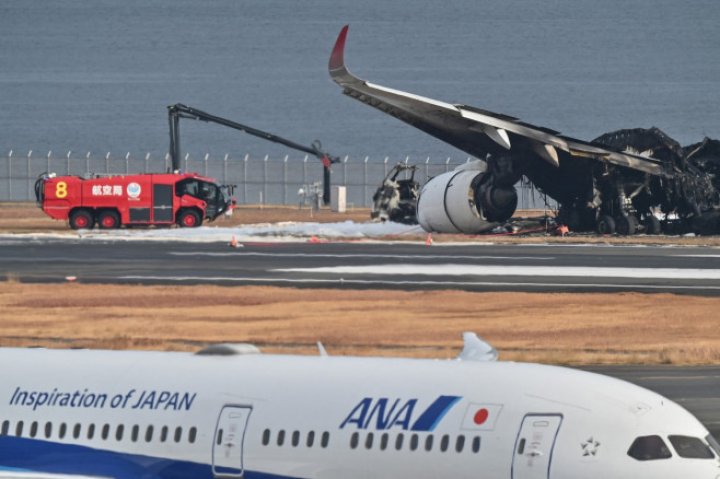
(259, 180)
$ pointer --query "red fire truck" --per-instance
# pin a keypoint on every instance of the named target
(145, 199)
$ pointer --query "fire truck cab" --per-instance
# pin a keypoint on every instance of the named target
(149, 199)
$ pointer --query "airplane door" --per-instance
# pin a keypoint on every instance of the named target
(534, 446)
(228, 443)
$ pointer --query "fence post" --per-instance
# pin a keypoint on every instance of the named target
(225, 162)
(245, 182)
(285, 161)
(9, 170)
(304, 182)
(87, 163)
(264, 189)
(365, 181)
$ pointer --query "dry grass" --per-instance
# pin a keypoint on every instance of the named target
(554, 328)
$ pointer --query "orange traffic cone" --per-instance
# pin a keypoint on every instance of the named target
(233, 242)
(428, 240)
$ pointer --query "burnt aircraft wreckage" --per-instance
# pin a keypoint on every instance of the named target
(618, 182)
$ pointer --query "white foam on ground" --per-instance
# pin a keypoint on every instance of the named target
(279, 232)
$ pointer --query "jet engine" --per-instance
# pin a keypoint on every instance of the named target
(466, 200)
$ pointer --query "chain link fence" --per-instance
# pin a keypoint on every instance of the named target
(259, 180)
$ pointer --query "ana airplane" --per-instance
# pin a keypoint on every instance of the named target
(610, 184)
(230, 412)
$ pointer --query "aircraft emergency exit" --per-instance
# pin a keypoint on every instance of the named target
(230, 412)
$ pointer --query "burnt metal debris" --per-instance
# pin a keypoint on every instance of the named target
(396, 199)
(686, 195)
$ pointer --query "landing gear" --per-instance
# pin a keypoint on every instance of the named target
(626, 225)
(652, 225)
(606, 225)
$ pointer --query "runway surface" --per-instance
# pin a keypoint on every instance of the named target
(408, 266)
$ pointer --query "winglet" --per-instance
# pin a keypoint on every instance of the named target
(337, 57)
(321, 349)
(475, 349)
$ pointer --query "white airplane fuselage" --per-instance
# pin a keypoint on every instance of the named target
(178, 415)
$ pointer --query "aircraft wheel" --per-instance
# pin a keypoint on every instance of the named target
(606, 225)
(189, 219)
(626, 225)
(652, 225)
(81, 219)
(109, 220)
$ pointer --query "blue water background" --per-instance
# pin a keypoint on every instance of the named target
(97, 75)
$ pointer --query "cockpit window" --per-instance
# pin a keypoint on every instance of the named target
(691, 447)
(713, 443)
(649, 448)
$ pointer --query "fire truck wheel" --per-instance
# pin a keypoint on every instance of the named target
(81, 219)
(189, 219)
(109, 220)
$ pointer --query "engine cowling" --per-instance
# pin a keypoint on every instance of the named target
(464, 201)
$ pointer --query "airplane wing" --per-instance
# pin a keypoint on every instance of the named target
(473, 130)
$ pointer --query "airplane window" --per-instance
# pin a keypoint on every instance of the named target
(649, 448)
(163, 434)
(691, 447)
(444, 443)
(325, 439)
(220, 434)
(178, 434)
(265, 437)
(19, 429)
(281, 438)
(310, 439)
(91, 431)
(149, 434)
(476, 444)
(119, 432)
(414, 442)
(428, 443)
(295, 438)
(384, 441)
(521, 447)
(713, 443)
(369, 441)
(33, 429)
(48, 430)
(135, 433)
(5, 428)
(76, 431)
(354, 440)
(105, 431)
(63, 430)
(399, 442)
(460, 443)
